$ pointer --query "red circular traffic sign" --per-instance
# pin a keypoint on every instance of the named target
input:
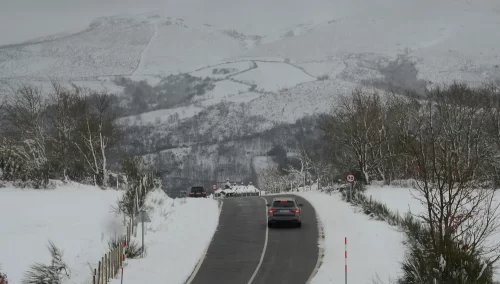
(214, 186)
(350, 178)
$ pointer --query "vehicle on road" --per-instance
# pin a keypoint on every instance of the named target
(284, 210)
(197, 191)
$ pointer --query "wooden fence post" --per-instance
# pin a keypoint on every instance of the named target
(94, 277)
(106, 269)
(113, 260)
(102, 270)
(121, 259)
(109, 266)
(99, 273)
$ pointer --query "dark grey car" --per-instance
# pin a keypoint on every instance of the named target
(197, 191)
(284, 210)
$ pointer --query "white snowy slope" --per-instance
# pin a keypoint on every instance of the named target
(374, 249)
(179, 232)
(292, 43)
(76, 218)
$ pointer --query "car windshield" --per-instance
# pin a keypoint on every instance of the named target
(285, 203)
(197, 189)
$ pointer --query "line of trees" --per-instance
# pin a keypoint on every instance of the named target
(65, 134)
(449, 142)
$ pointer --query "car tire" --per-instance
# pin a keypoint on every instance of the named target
(269, 225)
(299, 225)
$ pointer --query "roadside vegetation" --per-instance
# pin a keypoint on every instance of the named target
(448, 142)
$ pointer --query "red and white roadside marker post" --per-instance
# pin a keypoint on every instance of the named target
(345, 259)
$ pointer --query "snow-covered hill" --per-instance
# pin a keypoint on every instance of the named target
(268, 63)
(267, 54)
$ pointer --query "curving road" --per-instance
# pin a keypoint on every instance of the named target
(244, 251)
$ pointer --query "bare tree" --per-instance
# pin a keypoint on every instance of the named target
(448, 142)
(271, 180)
(358, 123)
(25, 130)
(97, 129)
(62, 106)
(306, 164)
(3, 277)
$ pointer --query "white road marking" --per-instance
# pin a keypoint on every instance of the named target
(263, 251)
(321, 243)
(204, 254)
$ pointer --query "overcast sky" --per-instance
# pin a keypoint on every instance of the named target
(22, 20)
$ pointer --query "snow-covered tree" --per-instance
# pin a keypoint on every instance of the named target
(61, 115)
(96, 129)
(25, 133)
(450, 145)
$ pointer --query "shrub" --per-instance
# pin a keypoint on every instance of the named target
(3, 277)
(422, 263)
(132, 250)
(54, 273)
(139, 183)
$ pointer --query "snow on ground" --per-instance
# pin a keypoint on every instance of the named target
(373, 247)
(331, 67)
(109, 47)
(176, 47)
(265, 76)
(394, 27)
(223, 90)
(174, 240)
(239, 189)
(77, 218)
(220, 71)
(304, 99)
(244, 97)
(162, 115)
(400, 199)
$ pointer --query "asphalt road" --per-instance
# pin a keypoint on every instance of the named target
(235, 255)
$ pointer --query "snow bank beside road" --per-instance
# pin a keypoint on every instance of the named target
(374, 248)
(180, 231)
(77, 218)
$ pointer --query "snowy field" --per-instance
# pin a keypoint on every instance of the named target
(374, 248)
(224, 70)
(30, 218)
(175, 239)
(398, 199)
(264, 76)
(76, 218)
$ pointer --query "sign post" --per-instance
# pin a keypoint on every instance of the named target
(144, 218)
(350, 178)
